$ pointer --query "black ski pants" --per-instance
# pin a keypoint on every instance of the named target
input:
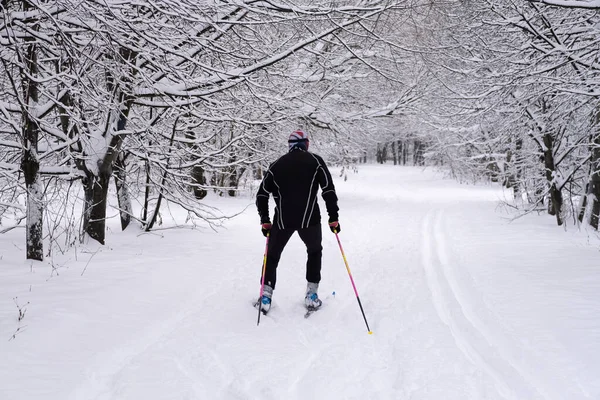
(278, 238)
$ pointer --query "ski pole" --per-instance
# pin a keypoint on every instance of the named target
(262, 279)
(352, 281)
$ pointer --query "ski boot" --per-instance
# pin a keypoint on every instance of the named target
(265, 301)
(312, 300)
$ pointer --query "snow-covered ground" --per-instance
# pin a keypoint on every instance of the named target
(462, 305)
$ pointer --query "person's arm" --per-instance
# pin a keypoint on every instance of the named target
(262, 197)
(328, 191)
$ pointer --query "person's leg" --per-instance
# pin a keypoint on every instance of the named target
(312, 238)
(278, 238)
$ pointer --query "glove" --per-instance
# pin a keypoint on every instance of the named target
(335, 227)
(266, 228)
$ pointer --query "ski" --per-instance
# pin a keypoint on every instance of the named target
(256, 304)
(310, 311)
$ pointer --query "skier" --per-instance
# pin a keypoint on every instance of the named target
(294, 181)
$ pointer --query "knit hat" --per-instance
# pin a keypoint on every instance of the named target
(298, 139)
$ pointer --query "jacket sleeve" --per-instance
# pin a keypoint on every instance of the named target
(262, 197)
(328, 191)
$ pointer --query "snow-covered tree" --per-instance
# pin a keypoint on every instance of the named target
(191, 90)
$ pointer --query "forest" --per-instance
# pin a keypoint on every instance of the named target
(167, 100)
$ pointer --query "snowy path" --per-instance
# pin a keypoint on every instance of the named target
(453, 306)
(462, 304)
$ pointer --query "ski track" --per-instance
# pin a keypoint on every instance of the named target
(106, 369)
(471, 335)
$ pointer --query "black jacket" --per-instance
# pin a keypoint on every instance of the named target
(294, 181)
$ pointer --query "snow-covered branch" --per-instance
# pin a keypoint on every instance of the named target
(586, 4)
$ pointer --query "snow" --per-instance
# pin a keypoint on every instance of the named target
(591, 4)
(463, 304)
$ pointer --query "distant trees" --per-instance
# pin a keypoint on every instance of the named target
(407, 151)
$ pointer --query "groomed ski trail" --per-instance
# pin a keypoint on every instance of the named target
(172, 318)
(472, 337)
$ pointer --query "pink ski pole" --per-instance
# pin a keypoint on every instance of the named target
(352, 281)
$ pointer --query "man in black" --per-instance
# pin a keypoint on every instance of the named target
(294, 180)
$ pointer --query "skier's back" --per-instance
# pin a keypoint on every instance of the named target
(294, 180)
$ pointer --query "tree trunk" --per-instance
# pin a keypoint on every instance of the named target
(550, 207)
(595, 216)
(555, 193)
(96, 193)
(584, 202)
(400, 147)
(146, 194)
(96, 186)
(595, 176)
(35, 208)
(418, 157)
(509, 180)
(123, 196)
(514, 177)
(394, 152)
(199, 181)
(156, 213)
(234, 180)
(258, 173)
(30, 163)
(415, 150)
